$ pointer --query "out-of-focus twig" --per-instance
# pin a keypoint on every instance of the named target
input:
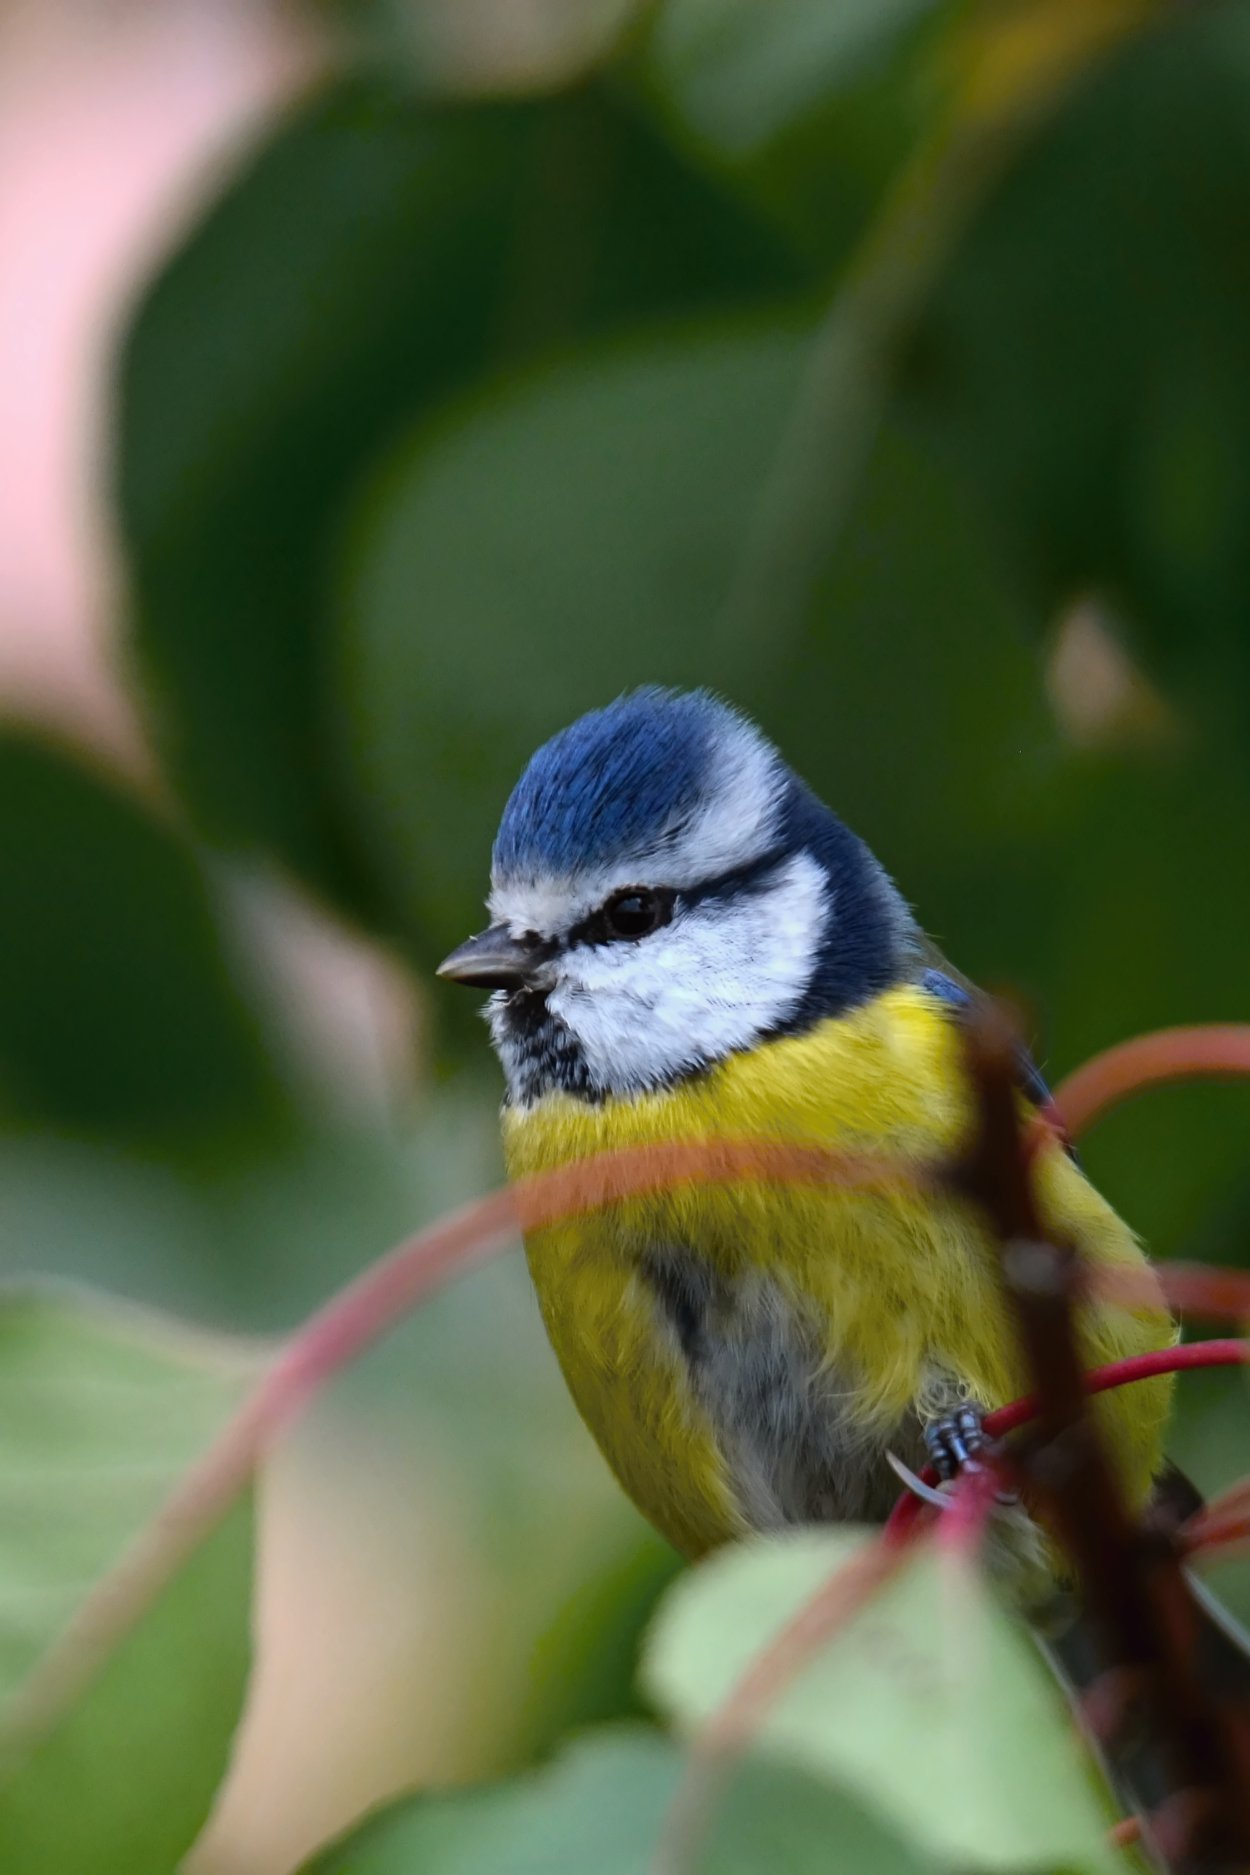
(740, 1717)
(351, 1322)
(1130, 1576)
(1206, 1292)
(1135, 1367)
(1206, 1051)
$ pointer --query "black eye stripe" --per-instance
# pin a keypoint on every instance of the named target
(742, 879)
(596, 929)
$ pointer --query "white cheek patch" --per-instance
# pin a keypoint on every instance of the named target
(715, 980)
(723, 833)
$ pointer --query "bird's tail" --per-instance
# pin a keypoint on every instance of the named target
(1138, 1760)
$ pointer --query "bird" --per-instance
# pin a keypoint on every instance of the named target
(685, 943)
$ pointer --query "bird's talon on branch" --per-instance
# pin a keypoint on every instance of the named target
(930, 1493)
(954, 1443)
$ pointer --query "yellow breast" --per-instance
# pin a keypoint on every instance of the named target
(900, 1285)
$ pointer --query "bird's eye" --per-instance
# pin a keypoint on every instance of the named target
(635, 912)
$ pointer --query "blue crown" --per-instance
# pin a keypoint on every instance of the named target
(611, 782)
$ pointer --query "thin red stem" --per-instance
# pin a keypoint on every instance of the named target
(1005, 1419)
(1207, 1051)
(1194, 1289)
(357, 1317)
(1225, 1353)
(347, 1325)
(961, 1528)
(1232, 1502)
(1208, 1537)
(738, 1719)
(1223, 1524)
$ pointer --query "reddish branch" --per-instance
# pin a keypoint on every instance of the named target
(1007, 1419)
(1132, 1583)
(737, 1721)
(1224, 1524)
(351, 1322)
(1190, 1289)
(1228, 1353)
(1208, 1051)
(369, 1307)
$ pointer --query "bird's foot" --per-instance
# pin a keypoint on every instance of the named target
(958, 1444)
(955, 1442)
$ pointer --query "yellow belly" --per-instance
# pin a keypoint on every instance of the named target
(900, 1286)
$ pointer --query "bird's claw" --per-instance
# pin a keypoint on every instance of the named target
(954, 1443)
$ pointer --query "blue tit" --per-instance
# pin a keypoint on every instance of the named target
(686, 944)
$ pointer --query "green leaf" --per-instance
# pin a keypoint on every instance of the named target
(810, 108)
(111, 1746)
(378, 252)
(586, 507)
(125, 1782)
(460, 46)
(1086, 359)
(1143, 930)
(256, 1239)
(117, 1010)
(931, 1678)
(603, 524)
(594, 526)
(602, 1806)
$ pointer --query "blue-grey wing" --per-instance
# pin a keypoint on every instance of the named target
(960, 996)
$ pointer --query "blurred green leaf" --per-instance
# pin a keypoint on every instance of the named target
(602, 1805)
(598, 1807)
(378, 252)
(1086, 360)
(810, 108)
(124, 1784)
(99, 1417)
(254, 1241)
(466, 1405)
(118, 1015)
(560, 571)
(1121, 913)
(585, 1662)
(509, 525)
(1208, 1439)
(490, 47)
(930, 1677)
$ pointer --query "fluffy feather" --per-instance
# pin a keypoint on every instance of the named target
(898, 1288)
(659, 782)
(745, 1354)
(782, 914)
(712, 982)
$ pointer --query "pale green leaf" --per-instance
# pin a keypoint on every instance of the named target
(932, 1705)
(603, 1806)
(113, 1738)
(626, 517)
(123, 1784)
(745, 73)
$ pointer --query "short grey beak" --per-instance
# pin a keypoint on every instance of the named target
(495, 960)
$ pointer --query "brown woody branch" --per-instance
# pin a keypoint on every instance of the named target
(1130, 1573)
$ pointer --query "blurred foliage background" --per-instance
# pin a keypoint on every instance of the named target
(439, 368)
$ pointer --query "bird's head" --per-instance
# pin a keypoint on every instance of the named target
(666, 892)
